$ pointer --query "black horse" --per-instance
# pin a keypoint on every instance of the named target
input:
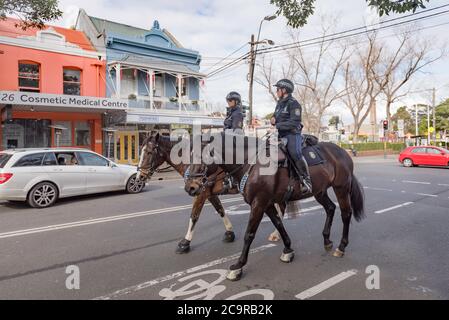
(263, 192)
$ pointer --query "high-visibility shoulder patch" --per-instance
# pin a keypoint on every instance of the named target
(297, 112)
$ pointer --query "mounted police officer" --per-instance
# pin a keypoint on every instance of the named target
(287, 119)
(234, 115)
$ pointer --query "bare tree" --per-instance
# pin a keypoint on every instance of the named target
(315, 76)
(412, 54)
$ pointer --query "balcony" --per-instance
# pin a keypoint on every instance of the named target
(163, 105)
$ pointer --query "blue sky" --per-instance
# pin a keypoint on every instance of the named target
(218, 27)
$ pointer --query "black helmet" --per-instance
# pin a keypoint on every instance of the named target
(234, 96)
(285, 84)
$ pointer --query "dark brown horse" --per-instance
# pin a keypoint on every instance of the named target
(262, 192)
(155, 151)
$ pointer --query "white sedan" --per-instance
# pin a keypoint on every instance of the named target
(41, 176)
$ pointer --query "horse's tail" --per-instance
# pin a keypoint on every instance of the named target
(357, 199)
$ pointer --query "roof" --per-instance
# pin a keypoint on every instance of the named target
(8, 29)
(37, 150)
(126, 30)
(158, 65)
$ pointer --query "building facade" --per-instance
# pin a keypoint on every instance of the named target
(156, 74)
(52, 89)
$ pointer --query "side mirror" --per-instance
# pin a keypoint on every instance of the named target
(112, 164)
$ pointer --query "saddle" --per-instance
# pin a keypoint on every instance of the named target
(310, 150)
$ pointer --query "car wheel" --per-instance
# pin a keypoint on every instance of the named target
(43, 195)
(135, 185)
(407, 163)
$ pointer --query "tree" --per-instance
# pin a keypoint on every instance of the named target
(315, 76)
(298, 11)
(442, 117)
(403, 114)
(31, 13)
(334, 121)
(269, 116)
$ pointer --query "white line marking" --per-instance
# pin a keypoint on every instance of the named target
(395, 207)
(378, 189)
(427, 195)
(443, 185)
(416, 182)
(325, 285)
(103, 220)
(179, 274)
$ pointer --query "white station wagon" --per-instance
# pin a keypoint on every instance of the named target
(41, 176)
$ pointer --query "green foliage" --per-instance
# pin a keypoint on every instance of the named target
(409, 122)
(33, 13)
(269, 116)
(298, 11)
(334, 120)
(374, 146)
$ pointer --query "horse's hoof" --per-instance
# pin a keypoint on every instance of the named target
(234, 275)
(288, 257)
(338, 253)
(229, 236)
(183, 247)
(328, 247)
(274, 237)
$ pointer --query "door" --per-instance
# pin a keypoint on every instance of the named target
(419, 155)
(102, 176)
(127, 147)
(64, 169)
(435, 157)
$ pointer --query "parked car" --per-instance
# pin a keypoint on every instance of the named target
(424, 155)
(42, 176)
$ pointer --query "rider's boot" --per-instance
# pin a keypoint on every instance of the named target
(303, 168)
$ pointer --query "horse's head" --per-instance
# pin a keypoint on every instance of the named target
(151, 157)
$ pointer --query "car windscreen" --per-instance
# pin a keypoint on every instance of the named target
(4, 157)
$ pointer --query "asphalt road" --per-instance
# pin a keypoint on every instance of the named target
(124, 245)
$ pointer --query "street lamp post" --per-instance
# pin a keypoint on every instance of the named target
(253, 52)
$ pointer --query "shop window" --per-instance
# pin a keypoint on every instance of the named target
(29, 77)
(82, 133)
(65, 139)
(72, 81)
(27, 133)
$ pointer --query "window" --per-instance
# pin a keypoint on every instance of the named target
(419, 150)
(4, 159)
(433, 151)
(66, 158)
(158, 85)
(183, 86)
(128, 82)
(65, 139)
(82, 133)
(29, 77)
(72, 81)
(31, 160)
(90, 159)
(49, 159)
(27, 133)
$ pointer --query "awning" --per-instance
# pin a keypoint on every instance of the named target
(157, 65)
(147, 118)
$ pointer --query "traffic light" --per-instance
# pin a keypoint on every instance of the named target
(244, 109)
(385, 124)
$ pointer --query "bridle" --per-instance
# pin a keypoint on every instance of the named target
(148, 172)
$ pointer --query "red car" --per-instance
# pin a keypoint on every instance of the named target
(424, 155)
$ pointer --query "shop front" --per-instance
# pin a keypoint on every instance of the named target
(54, 121)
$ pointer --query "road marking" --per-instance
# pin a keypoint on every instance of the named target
(378, 189)
(179, 274)
(395, 207)
(427, 195)
(325, 285)
(416, 182)
(103, 220)
(443, 184)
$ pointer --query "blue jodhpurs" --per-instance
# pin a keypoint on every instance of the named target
(294, 145)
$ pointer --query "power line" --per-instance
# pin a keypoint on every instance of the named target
(323, 39)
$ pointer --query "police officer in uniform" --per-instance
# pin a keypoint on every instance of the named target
(287, 119)
(234, 116)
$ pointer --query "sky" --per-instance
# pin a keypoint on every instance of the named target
(216, 28)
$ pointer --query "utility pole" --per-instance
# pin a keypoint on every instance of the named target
(252, 63)
(434, 117)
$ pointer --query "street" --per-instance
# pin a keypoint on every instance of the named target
(124, 245)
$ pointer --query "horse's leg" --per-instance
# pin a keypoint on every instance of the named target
(288, 254)
(229, 235)
(275, 236)
(198, 204)
(329, 206)
(257, 211)
(343, 196)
